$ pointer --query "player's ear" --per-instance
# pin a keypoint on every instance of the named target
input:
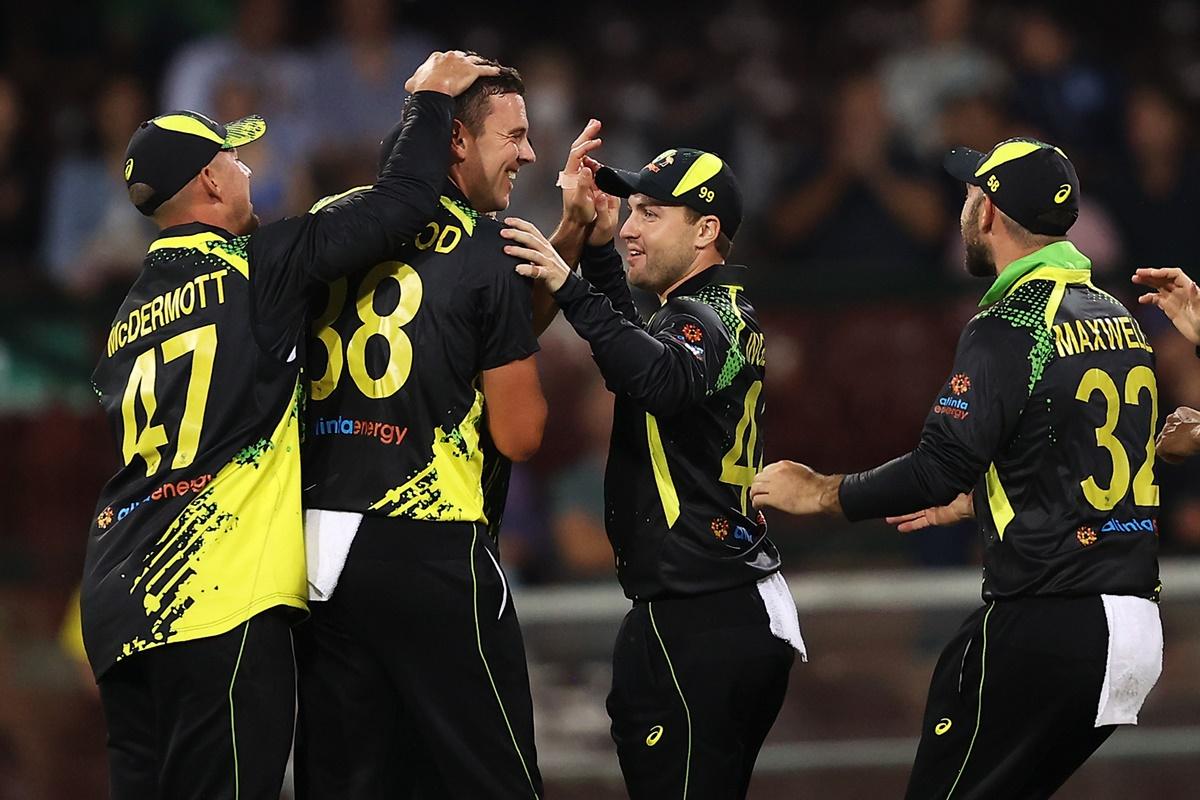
(208, 181)
(459, 136)
(707, 231)
(987, 215)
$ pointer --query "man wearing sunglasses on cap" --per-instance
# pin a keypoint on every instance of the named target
(195, 565)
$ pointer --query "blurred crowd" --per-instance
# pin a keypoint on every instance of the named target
(834, 116)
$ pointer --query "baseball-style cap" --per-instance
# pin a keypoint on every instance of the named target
(693, 178)
(1030, 181)
(168, 151)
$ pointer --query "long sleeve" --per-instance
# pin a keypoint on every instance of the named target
(665, 372)
(973, 417)
(289, 258)
(602, 267)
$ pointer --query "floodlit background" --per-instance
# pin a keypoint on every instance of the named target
(834, 116)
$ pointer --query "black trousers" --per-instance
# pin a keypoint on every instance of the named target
(697, 684)
(413, 681)
(208, 719)
(1012, 704)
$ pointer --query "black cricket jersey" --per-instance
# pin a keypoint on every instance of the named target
(396, 416)
(1049, 413)
(687, 428)
(201, 527)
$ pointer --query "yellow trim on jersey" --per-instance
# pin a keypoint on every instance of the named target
(662, 472)
(235, 550)
(333, 198)
(1056, 274)
(450, 487)
(1002, 510)
(1056, 298)
(182, 123)
(206, 242)
(466, 219)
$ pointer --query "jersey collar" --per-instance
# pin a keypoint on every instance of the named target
(187, 231)
(721, 275)
(1062, 255)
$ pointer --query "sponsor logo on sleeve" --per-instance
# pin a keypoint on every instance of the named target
(953, 405)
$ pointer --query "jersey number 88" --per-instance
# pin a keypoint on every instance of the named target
(389, 326)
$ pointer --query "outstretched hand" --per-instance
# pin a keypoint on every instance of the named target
(1176, 294)
(584, 205)
(960, 508)
(1180, 436)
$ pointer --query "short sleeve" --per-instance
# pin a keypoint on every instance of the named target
(507, 308)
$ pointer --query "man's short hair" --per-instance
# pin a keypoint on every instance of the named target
(723, 243)
(471, 107)
(1023, 235)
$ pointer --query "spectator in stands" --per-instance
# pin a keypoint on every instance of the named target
(92, 233)
(256, 44)
(942, 63)
(20, 180)
(359, 74)
(1155, 191)
(281, 185)
(1070, 98)
(866, 204)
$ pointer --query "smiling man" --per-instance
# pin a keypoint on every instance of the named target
(412, 668)
(195, 560)
(701, 663)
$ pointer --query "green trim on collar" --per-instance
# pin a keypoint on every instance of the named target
(1059, 254)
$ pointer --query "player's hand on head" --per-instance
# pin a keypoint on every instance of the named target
(795, 488)
(1176, 294)
(450, 72)
(577, 180)
(541, 261)
(959, 509)
(1180, 435)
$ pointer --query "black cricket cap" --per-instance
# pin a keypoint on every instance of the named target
(168, 151)
(693, 178)
(1032, 182)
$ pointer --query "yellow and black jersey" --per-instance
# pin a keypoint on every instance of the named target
(687, 428)
(201, 528)
(1049, 413)
(395, 417)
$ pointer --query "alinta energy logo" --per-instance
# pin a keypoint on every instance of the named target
(953, 405)
(164, 492)
(384, 432)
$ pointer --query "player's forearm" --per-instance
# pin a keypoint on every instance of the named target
(914, 205)
(633, 362)
(372, 225)
(901, 486)
(568, 240)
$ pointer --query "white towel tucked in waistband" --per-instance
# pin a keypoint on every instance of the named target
(1135, 648)
(781, 609)
(327, 539)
